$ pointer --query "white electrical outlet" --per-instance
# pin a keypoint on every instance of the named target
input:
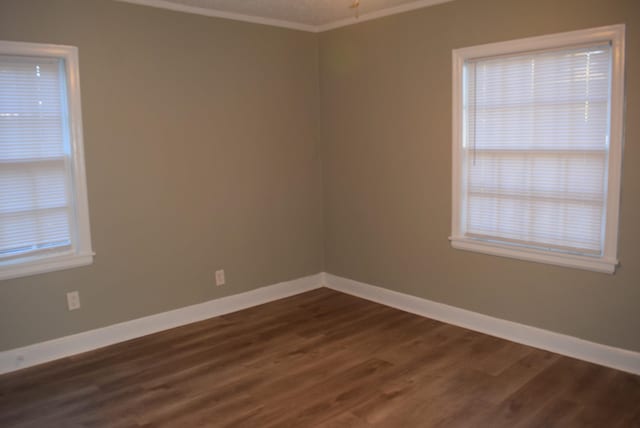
(220, 277)
(73, 300)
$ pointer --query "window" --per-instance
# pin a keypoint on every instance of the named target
(537, 127)
(44, 220)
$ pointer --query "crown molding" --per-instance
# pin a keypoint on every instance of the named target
(163, 4)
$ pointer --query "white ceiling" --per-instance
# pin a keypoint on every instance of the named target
(308, 15)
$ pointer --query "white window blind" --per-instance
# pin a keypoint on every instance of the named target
(536, 148)
(43, 211)
(34, 202)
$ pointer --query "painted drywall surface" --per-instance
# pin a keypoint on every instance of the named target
(201, 141)
(386, 130)
(202, 152)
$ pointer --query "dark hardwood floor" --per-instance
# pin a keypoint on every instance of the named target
(320, 359)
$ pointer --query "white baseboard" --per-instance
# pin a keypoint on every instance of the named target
(621, 359)
(43, 352)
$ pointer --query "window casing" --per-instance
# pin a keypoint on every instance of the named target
(44, 217)
(537, 148)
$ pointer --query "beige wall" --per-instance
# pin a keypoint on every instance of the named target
(386, 127)
(201, 140)
(203, 151)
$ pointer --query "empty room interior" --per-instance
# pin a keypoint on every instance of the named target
(319, 213)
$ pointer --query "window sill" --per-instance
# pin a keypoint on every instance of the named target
(51, 263)
(596, 264)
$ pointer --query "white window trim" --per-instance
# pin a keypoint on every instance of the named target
(608, 261)
(81, 253)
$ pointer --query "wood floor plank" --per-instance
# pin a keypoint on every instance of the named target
(319, 359)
